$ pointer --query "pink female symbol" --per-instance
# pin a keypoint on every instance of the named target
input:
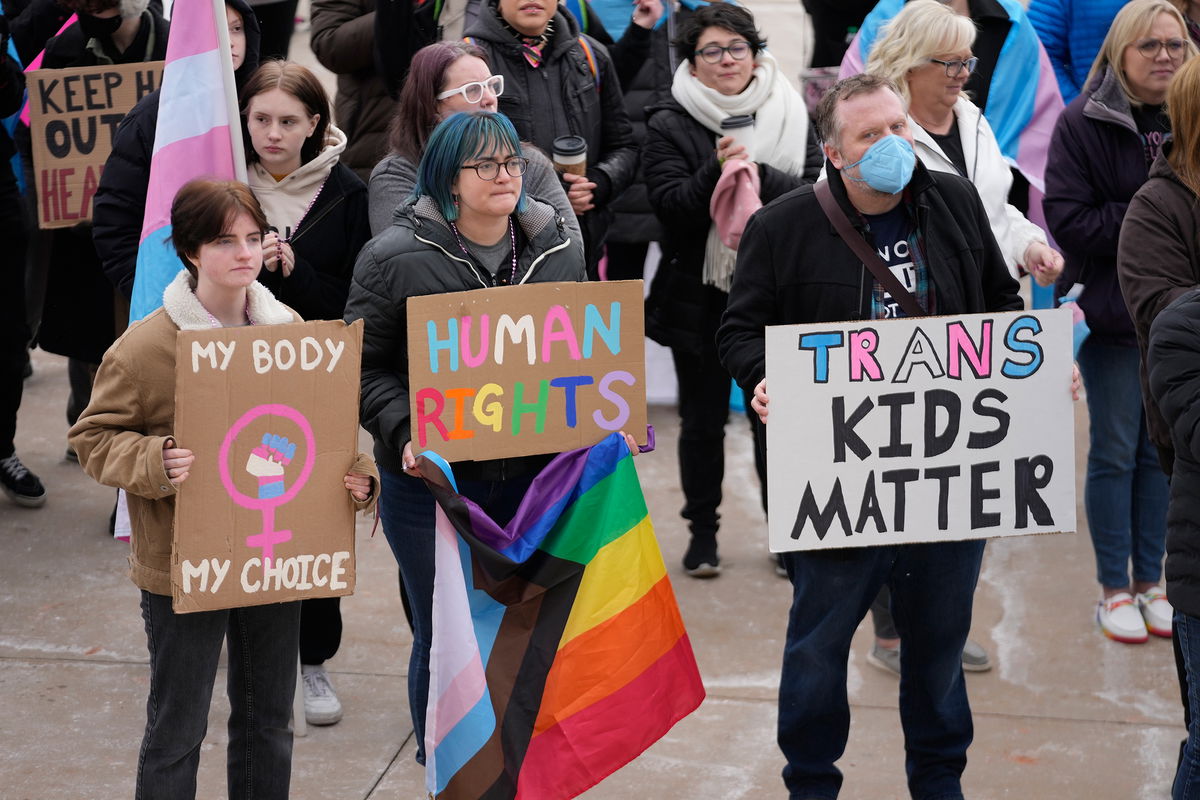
(269, 536)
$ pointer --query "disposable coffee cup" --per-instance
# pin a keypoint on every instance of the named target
(741, 128)
(570, 154)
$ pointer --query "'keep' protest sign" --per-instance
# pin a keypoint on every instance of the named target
(919, 430)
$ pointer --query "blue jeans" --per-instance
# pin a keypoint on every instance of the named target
(407, 510)
(184, 650)
(932, 588)
(1125, 494)
(1187, 643)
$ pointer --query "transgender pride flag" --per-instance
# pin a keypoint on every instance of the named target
(558, 651)
(198, 135)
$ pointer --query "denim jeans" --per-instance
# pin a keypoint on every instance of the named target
(407, 510)
(184, 650)
(1125, 494)
(1187, 642)
(932, 587)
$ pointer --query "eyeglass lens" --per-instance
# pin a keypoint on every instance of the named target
(714, 53)
(955, 68)
(490, 170)
(1150, 48)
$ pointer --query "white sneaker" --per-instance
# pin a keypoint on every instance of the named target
(321, 704)
(1156, 611)
(1120, 620)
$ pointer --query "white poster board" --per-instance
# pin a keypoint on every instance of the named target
(920, 430)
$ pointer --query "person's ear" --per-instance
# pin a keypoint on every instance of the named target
(834, 155)
(312, 124)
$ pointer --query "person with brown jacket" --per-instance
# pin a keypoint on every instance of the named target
(343, 40)
(124, 439)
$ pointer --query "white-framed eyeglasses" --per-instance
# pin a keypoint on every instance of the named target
(473, 92)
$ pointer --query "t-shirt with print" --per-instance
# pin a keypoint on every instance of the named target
(1154, 127)
(891, 232)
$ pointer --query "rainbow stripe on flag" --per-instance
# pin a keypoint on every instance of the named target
(194, 137)
(559, 654)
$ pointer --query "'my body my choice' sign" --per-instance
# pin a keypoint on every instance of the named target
(916, 430)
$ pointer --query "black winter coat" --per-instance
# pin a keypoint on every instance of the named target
(793, 267)
(80, 316)
(1097, 163)
(120, 202)
(326, 245)
(1158, 260)
(681, 173)
(1175, 385)
(560, 98)
(418, 255)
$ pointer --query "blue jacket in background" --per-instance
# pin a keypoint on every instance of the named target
(1072, 32)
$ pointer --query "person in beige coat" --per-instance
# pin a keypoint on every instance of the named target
(124, 438)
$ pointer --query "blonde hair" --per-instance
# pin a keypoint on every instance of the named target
(1183, 107)
(921, 30)
(1133, 22)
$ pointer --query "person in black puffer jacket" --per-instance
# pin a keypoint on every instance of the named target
(450, 238)
(574, 90)
(683, 155)
(120, 202)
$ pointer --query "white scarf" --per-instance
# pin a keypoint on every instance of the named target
(780, 134)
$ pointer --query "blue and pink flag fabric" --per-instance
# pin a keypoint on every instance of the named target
(558, 652)
(197, 123)
(1023, 101)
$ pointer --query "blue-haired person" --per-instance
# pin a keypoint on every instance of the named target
(468, 225)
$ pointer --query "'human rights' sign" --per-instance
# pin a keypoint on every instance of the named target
(917, 430)
(521, 370)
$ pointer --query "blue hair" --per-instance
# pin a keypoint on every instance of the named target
(462, 137)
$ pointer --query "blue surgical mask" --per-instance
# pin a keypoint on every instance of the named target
(887, 165)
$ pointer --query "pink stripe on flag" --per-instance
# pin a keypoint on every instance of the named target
(193, 29)
(460, 696)
(176, 164)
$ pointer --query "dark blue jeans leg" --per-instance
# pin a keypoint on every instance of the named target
(263, 650)
(184, 650)
(932, 587)
(1187, 777)
(407, 510)
(831, 593)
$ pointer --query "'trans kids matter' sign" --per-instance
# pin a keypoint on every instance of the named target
(271, 414)
(521, 370)
(918, 430)
(74, 114)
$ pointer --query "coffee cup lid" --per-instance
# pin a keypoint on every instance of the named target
(570, 145)
(740, 121)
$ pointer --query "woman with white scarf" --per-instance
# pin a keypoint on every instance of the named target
(687, 158)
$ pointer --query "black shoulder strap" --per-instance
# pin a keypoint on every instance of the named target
(865, 252)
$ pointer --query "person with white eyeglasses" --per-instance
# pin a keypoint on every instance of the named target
(446, 77)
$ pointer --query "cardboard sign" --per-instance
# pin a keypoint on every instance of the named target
(521, 370)
(271, 414)
(919, 430)
(74, 114)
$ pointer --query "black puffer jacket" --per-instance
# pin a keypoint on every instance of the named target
(79, 317)
(793, 267)
(418, 255)
(120, 202)
(326, 245)
(560, 98)
(682, 172)
(1175, 385)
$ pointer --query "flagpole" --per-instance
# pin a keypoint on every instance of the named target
(231, 100)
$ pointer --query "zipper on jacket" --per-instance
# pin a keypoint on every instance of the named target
(538, 260)
(472, 267)
(314, 220)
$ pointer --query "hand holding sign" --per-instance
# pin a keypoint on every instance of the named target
(176, 462)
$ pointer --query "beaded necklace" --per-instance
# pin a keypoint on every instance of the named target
(512, 238)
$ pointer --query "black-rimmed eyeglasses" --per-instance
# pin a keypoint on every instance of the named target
(490, 170)
(955, 68)
(1150, 48)
(473, 92)
(714, 52)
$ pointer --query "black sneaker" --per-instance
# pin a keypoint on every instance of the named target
(701, 559)
(21, 485)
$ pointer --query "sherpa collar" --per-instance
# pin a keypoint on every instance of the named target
(182, 306)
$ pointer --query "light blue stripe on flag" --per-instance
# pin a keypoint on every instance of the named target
(157, 266)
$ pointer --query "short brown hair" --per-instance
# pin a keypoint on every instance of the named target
(203, 209)
(298, 81)
(828, 126)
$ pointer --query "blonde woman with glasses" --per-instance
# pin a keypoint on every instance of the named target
(1100, 155)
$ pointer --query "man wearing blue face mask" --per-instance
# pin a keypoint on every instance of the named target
(794, 266)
